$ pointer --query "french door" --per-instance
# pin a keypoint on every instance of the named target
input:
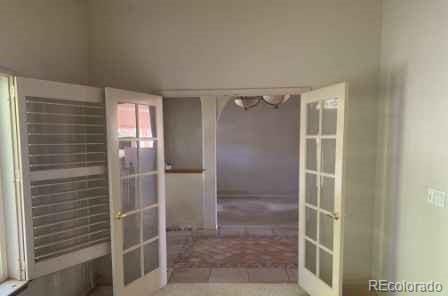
(137, 190)
(320, 200)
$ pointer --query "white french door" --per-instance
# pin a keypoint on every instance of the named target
(320, 200)
(137, 190)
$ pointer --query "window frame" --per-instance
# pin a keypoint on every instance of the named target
(28, 87)
(3, 258)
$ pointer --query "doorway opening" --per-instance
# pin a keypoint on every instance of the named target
(257, 206)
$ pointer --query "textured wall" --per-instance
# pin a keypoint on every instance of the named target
(184, 200)
(157, 44)
(45, 39)
(258, 150)
(182, 122)
(48, 39)
(411, 242)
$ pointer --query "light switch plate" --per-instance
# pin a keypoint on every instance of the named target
(437, 198)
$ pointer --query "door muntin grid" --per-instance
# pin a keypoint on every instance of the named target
(320, 155)
(138, 144)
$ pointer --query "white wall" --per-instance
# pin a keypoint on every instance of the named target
(184, 200)
(157, 44)
(257, 151)
(182, 123)
(48, 39)
(412, 240)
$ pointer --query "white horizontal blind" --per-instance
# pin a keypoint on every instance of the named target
(65, 134)
(70, 208)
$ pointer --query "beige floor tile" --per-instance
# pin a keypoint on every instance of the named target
(225, 289)
(190, 275)
(205, 233)
(286, 231)
(231, 231)
(229, 275)
(259, 231)
(267, 275)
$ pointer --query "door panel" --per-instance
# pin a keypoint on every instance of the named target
(320, 200)
(136, 173)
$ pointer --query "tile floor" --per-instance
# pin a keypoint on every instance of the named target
(234, 254)
(278, 267)
(223, 289)
(275, 211)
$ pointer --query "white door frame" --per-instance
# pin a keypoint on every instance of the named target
(158, 278)
(213, 102)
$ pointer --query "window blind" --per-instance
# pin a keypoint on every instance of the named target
(70, 208)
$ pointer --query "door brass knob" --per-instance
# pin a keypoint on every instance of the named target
(334, 215)
(120, 215)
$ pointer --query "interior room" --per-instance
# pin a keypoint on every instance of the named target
(258, 164)
(140, 154)
(257, 227)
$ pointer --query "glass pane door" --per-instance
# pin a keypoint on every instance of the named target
(137, 137)
(137, 191)
(320, 164)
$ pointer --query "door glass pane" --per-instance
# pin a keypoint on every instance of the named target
(328, 156)
(329, 116)
(129, 197)
(310, 256)
(311, 223)
(327, 193)
(131, 230)
(147, 154)
(150, 223)
(147, 121)
(326, 231)
(311, 154)
(326, 267)
(131, 266)
(148, 189)
(128, 157)
(312, 118)
(311, 189)
(127, 124)
(151, 256)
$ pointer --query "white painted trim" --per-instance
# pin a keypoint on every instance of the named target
(66, 173)
(45, 267)
(3, 255)
(58, 90)
(222, 103)
(210, 200)
(178, 93)
(22, 202)
(10, 287)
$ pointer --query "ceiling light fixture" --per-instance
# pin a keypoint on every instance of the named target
(247, 102)
(250, 102)
(276, 101)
